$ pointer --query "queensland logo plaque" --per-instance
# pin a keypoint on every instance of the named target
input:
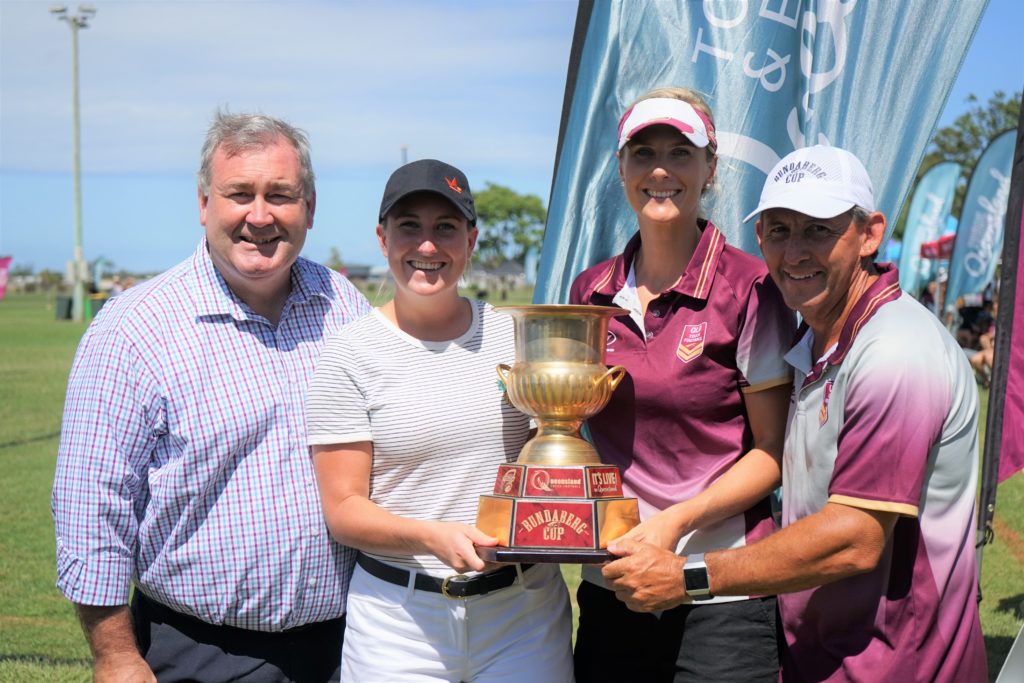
(557, 502)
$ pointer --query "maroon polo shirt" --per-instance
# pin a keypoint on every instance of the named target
(677, 421)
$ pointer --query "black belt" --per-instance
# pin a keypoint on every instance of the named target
(455, 586)
(150, 610)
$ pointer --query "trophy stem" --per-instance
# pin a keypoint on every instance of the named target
(559, 427)
(558, 442)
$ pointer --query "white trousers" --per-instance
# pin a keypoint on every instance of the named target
(519, 633)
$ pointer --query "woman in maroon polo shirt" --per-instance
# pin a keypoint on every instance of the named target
(698, 424)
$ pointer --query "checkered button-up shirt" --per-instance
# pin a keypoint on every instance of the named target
(183, 462)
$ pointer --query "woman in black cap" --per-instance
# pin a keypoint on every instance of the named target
(408, 426)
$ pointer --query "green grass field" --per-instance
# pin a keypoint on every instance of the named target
(39, 636)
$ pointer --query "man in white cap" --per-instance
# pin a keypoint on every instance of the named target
(875, 565)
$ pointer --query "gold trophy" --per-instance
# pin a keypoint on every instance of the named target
(557, 502)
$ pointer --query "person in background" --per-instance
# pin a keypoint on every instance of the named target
(183, 468)
(697, 425)
(929, 296)
(984, 358)
(408, 427)
(973, 320)
(875, 565)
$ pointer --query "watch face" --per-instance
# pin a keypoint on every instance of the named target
(695, 580)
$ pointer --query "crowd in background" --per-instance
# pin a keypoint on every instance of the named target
(973, 324)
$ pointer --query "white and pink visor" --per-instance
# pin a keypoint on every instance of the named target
(667, 111)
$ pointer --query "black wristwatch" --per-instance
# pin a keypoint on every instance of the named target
(695, 578)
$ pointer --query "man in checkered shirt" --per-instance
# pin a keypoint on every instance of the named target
(183, 467)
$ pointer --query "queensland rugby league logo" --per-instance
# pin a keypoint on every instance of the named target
(691, 343)
(823, 412)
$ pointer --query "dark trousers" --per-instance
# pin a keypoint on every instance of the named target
(180, 648)
(731, 641)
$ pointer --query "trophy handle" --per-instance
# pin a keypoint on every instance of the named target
(504, 372)
(614, 376)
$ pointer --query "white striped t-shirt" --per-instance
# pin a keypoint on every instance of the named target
(433, 410)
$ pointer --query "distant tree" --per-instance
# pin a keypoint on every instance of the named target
(511, 224)
(20, 277)
(965, 140)
(973, 130)
(334, 261)
(50, 280)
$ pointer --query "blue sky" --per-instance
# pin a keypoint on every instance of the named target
(477, 83)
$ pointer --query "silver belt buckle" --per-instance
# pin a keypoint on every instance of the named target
(449, 579)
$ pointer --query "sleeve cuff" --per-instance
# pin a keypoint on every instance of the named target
(100, 582)
(902, 509)
(328, 439)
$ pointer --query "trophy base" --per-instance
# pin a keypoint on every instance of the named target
(543, 555)
(555, 513)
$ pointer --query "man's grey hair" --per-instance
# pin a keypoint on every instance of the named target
(860, 215)
(237, 133)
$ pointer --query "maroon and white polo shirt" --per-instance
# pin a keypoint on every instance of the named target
(887, 421)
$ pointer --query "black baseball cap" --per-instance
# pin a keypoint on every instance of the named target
(429, 175)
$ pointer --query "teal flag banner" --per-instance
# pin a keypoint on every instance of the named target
(872, 77)
(979, 239)
(926, 220)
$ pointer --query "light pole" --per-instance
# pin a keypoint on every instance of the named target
(80, 270)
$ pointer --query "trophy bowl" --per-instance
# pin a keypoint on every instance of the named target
(558, 390)
(557, 502)
(559, 396)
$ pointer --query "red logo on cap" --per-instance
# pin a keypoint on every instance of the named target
(453, 183)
